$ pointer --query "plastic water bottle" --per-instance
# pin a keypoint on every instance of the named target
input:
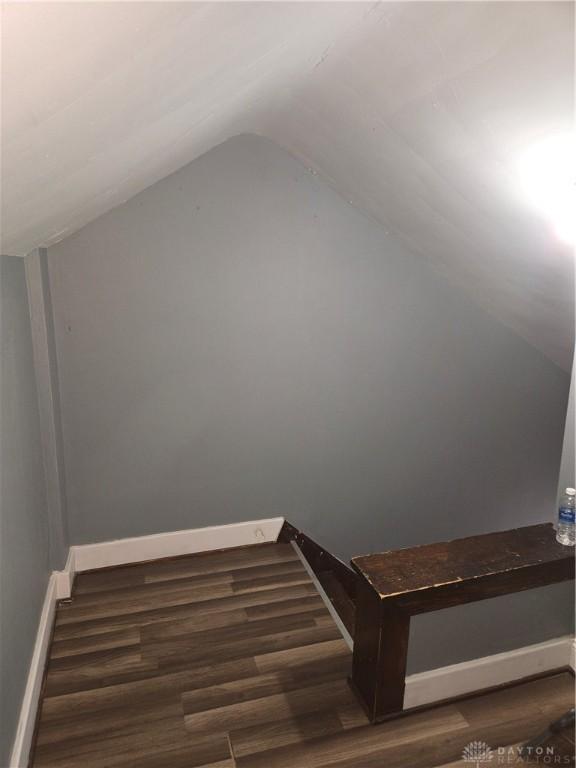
(565, 533)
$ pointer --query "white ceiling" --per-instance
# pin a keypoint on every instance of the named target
(416, 112)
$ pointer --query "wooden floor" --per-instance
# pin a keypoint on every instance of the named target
(231, 659)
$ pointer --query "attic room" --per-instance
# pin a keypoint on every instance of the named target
(286, 384)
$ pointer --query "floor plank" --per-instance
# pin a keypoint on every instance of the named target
(78, 626)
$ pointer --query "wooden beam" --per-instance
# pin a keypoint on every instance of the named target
(380, 653)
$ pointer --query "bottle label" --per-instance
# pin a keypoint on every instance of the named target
(566, 515)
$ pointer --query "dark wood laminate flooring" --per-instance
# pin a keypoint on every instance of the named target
(231, 659)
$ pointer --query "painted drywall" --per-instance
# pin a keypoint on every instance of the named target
(239, 342)
(568, 463)
(23, 535)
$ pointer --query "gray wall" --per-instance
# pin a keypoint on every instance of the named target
(568, 463)
(239, 342)
(23, 534)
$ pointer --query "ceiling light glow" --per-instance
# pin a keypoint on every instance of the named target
(548, 175)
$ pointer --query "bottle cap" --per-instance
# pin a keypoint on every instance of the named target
(570, 491)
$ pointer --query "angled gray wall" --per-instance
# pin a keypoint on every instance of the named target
(568, 463)
(239, 342)
(24, 558)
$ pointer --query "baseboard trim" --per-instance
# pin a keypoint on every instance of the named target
(65, 579)
(87, 557)
(488, 672)
(107, 554)
(28, 710)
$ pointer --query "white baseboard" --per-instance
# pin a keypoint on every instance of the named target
(104, 554)
(86, 557)
(27, 719)
(65, 578)
(488, 671)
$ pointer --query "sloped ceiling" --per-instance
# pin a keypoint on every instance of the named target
(415, 112)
